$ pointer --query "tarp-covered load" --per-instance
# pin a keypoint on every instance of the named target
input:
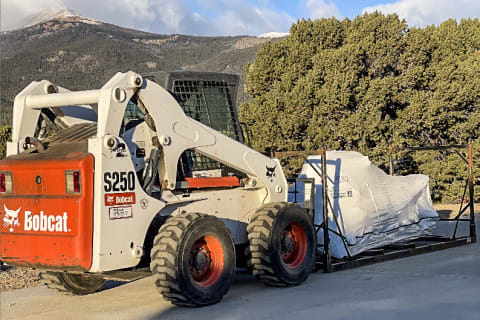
(373, 209)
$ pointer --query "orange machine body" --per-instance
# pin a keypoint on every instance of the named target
(41, 225)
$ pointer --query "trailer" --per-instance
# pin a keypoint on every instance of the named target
(425, 244)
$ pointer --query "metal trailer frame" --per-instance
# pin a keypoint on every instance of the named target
(393, 251)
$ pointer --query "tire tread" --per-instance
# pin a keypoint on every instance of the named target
(259, 232)
(55, 280)
(163, 261)
(260, 229)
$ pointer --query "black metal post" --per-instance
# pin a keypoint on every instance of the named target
(390, 157)
(327, 259)
(312, 205)
(473, 231)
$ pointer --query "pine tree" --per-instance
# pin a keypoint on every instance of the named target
(365, 83)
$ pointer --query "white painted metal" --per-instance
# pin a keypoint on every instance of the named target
(114, 241)
(25, 119)
(139, 137)
(71, 115)
(62, 99)
(36, 96)
(111, 109)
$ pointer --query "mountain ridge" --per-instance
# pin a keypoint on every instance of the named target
(77, 54)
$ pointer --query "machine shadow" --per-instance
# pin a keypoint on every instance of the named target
(111, 284)
(244, 289)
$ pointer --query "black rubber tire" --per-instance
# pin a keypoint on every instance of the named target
(264, 234)
(170, 263)
(70, 283)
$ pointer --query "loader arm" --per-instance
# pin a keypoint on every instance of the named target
(175, 130)
(177, 133)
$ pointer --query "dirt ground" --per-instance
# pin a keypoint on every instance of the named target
(451, 210)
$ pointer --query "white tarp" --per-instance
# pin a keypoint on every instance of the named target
(373, 209)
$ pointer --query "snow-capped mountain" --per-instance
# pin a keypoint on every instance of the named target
(273, 35)
(47, 15)
(55, 13)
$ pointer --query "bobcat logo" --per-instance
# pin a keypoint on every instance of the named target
(10, 220)
(110, 199)
(271, 171)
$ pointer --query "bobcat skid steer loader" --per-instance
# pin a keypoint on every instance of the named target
(131, 179)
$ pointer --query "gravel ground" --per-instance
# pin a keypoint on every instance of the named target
(15, 278)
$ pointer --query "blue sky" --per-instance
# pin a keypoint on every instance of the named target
(236, 17)
(297, 9)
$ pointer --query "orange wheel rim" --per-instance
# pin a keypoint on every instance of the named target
(294, 245)
(206, 261)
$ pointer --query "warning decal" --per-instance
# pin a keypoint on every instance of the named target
(120, 213)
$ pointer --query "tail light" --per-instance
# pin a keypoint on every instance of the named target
(72, 181)
(6, 185)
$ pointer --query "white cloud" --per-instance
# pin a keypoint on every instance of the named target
(140, 9)
(161, 16)
(13, 12)
(322, 9)
(226, 17)
(426, 12)
(249, 20)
